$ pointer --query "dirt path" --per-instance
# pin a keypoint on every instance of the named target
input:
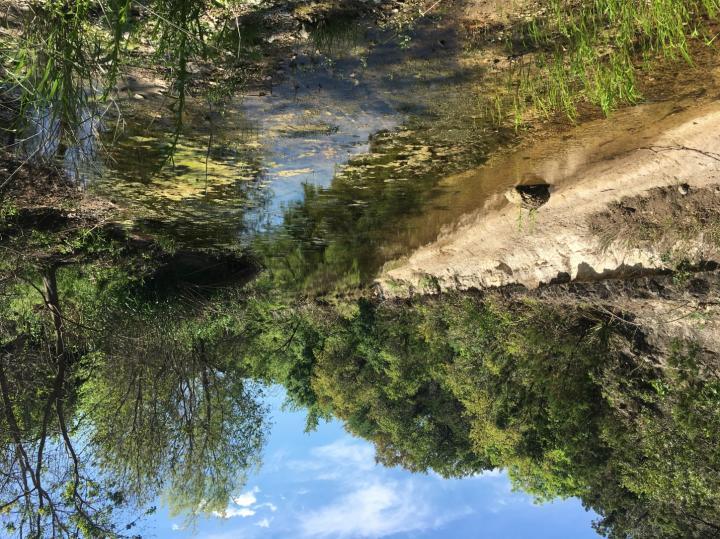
(589, 169)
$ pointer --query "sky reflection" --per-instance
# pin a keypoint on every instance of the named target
(326, 485)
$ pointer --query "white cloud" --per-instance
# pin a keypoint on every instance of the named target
(495, 472)
(372, 505)
(343, 458)
(373, 510)
(264, 523)
(246, 499)
(347, 452)
(244, 505)
(177, 527)
(232, 512)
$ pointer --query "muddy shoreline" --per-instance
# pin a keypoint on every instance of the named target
(502, 244)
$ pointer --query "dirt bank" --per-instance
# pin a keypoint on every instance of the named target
(664, 309)
(501, 244)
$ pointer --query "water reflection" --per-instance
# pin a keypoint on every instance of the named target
(351, 107)
(129, 383)
(100, 419)
(327, 484)
(323, 169)
(270, 146)
(45, 138)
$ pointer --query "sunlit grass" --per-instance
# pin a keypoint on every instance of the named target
(592, 51)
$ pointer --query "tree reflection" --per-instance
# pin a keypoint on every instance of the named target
(123, 379)
(48, 487)
(166, 413)
(570, 400)
(110, 400)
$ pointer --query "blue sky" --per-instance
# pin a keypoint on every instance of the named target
(326, 485)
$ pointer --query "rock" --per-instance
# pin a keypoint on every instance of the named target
(138, 96)
(530, 197)
(513, 197)
(683, 189)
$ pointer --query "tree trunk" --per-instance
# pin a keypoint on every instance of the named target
(53, 304)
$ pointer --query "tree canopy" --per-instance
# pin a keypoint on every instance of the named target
(568, 400)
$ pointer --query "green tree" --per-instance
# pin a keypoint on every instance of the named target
(166, 414)
(113, 395)
(570, 400)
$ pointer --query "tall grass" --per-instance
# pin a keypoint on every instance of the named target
(60, 62)
(62, 58)
(590, 51)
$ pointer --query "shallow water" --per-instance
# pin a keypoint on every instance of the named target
(556, 159)
(240, 163)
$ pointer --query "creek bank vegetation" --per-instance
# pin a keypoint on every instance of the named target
(67, 68)
(576, 57)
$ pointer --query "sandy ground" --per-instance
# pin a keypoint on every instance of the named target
(589, 169)
(491, 13)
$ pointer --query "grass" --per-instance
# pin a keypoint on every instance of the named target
(60, 60)
(592, 51)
